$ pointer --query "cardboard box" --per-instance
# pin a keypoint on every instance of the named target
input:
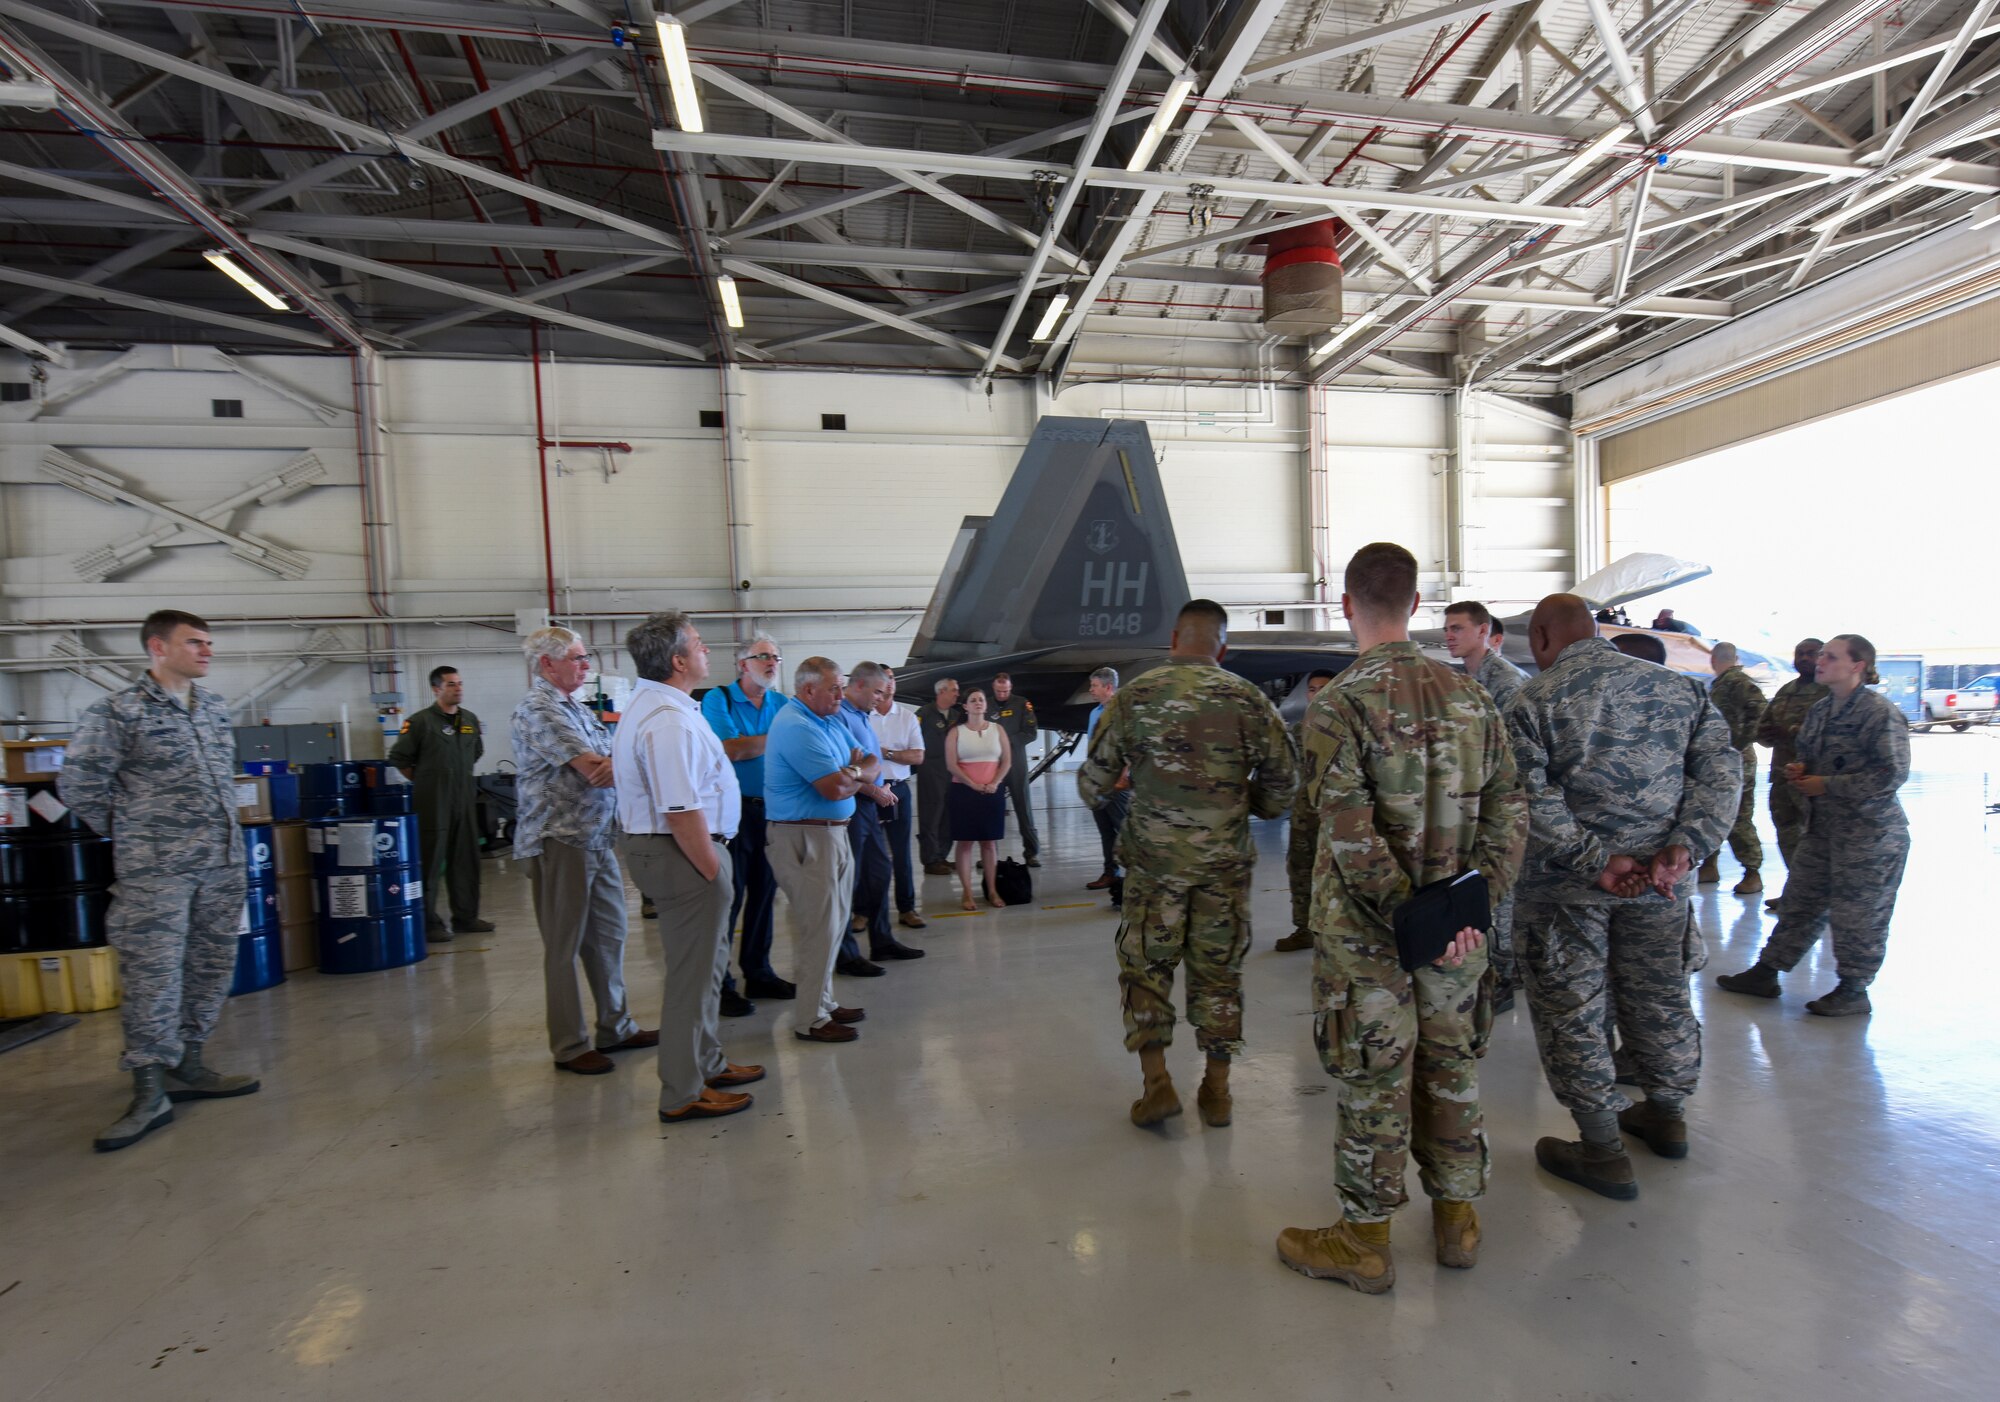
(253, 799)
(73, 981)
(300, 941)
(295, 899)
(27, 760)
(288, 850)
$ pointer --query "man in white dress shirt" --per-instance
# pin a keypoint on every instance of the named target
(902, 737)
(679, 805)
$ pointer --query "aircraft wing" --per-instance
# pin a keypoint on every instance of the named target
(1635, 576)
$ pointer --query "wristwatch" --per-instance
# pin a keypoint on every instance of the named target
(852, 771)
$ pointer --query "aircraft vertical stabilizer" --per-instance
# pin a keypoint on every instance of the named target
(1080, 550)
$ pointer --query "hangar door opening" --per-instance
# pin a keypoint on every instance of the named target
(1877, 521)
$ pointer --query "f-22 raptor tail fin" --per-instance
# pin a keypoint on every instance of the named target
(1081, 550)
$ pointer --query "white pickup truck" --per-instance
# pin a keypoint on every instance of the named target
(1961, 707)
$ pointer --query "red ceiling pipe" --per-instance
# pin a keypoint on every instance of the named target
(542, 462)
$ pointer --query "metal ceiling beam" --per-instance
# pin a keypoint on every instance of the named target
(1621, 65)
(1140, 31)
(71, 287)
(374, 268)
(1854, 72)
(542, 292)
(365, 135)
(31, 346)
(1373, 36)
(1920, 105)
(835, 142)
(939, 307)
(1286, 195)
(742, 267)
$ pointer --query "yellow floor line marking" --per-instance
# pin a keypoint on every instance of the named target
(1074, 905)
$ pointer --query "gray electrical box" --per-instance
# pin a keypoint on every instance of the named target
(315, 742)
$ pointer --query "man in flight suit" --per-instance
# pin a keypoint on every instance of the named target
(436, 752)
(1016, 715)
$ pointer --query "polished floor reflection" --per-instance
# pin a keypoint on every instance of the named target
(956, 1207)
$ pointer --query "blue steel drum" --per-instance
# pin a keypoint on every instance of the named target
(284, 796)
(334, 789)
(259, 855)
(363, 844)
(260, 909)
(260, 963)
(391, 800)
(365, 946)
(358, 895)
(36, 868)
(53, 921)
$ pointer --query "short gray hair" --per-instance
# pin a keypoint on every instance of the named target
(868, 673)
(1723, 654)
(813, 671)
(1107, 675)
(756, 642)
(941, 684)
(550, 643)
(655, 644)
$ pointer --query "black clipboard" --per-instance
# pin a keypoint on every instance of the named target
(1429, 920)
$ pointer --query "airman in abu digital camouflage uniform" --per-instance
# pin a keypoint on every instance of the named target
(1853, 755)
(1408, 768)
(1628, 771)
(1779, 729)
(1742, 705)
(153, 768)
(1205, 750)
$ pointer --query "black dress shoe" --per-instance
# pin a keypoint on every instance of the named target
(895, 950)
(858, 968)
(773, 987)
(1033, 860)
(734, 1004)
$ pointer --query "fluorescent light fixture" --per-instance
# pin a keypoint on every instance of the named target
(1058, 304)
(732, 309)
(1595, 338)
(229, 266)
(1895, 189)
(1162, 121)
(680, 73)
(1347, 333)
(1577, 162)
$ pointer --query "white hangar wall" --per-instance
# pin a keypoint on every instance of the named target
(841, 533)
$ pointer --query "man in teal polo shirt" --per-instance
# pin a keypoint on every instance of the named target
(812, 770)
(740, 714)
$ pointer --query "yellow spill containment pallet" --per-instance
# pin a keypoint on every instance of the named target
(73, 981)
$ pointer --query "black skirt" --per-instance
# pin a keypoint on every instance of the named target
(976, 816)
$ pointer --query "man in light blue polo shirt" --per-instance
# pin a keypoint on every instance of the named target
(812, 770)
(874, 870)
(740, 714)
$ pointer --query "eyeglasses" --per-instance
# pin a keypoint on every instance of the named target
(764, 657)
(578, 657)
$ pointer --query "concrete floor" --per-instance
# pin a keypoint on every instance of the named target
(956, 1207)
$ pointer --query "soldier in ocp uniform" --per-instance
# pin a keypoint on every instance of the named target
(153, 768)
(1016, 715)
(1408, 769)
(1628, 771)
(437, 751)
(1302, 840)
(1742, 705)
(1204, 750)
(1853, 755)
(1779, 729)
(937, 717)
(1474, 636)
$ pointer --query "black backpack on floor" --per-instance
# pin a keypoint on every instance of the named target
(1012, 883)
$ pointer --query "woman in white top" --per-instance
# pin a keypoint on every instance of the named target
(978, 754)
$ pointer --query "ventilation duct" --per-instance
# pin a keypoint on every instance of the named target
(1302, 279)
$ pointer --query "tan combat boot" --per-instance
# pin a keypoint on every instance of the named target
(1158, 1101)
(1456, 1227)
(1710, 872)
(1213, 1099)
(1298, 939)
(1752, 884)
(1354, 1253)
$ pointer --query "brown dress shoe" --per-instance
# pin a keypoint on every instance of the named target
(1101, 883)
(591, 1063)
(709, 1105)
(638, 1041)
(737, 1075)
(910, 920)
(827, 1032)
(848, 1015)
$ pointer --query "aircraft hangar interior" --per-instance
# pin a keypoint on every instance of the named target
(573, 567)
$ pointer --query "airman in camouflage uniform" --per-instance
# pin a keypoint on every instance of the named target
(153, 767)
(1846, 869)
(1408, 768)
(1205, 750)
(1473, 635)
(1629, 771)
(1779, 729)
(1742, 705)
